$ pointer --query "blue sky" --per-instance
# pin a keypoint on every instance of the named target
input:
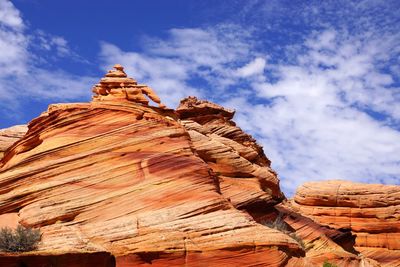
(316, 82)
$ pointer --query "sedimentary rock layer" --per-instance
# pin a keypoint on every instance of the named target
(243, 170)
(96, 259)
(370, 211)
(9, 136)
(123, 178)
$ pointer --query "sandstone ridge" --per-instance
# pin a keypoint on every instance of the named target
(119, 182)
(370, 211)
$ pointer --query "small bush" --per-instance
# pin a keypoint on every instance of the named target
(20, 240)
(278, 224)
(298, 240)
(328, 264)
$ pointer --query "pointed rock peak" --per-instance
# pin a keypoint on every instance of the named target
(116, 85)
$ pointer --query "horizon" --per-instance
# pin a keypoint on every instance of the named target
(316, 84)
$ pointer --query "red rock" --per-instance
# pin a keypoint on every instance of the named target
(9, 136)
(117, 182)
(96, 259)
(370, 211)
(122, 177)
(243, 170)
(9, 220)
(117, 86)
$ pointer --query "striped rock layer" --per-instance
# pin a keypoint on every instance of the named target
(9, 136)
(126, 179)
(370, 211)
(118, 183)
(242, 169)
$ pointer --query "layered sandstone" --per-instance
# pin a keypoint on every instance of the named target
(119, 176)
(116, 85)
(370, 211)
(322, 243)
(9, 136)
(243, 171)
(118, 182)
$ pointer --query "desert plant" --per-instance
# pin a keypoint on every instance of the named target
(19, 240)
(298, 240)
(328, 264)
(278, 224)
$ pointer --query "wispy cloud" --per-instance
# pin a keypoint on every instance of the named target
(324, 105)
(316, 83)
(187, 62)
(330, 115)
(23, 71)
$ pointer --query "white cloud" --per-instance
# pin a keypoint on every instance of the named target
(327, 107)
(317, 123)
(10, 16)
(328, 112)
(176, 67)
(255, 67)
(21, 75)
(53, 45)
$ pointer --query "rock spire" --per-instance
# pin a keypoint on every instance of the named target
(116, 85)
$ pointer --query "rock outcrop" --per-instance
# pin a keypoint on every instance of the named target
(116, 85)
(242, 169)
(9, 136)
(117, 175)
(118, 182)
(370, 211)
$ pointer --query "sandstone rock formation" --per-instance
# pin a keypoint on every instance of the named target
(9, 136)
(243, 171)
(370, 211)
(123, 177)
(117, 86)
(117, 182)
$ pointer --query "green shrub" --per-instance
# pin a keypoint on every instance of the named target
(19, 240)
(327, 264)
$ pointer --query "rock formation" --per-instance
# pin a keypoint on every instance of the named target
(243, 171)
(9, 136)
(370, 211)
(117, 86)
(117, 182)
(119, 176)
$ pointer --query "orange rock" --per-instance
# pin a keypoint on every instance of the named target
(88, 259)
(9, 220)
(116, 182)
(121, 177)
(370, 211)
(9, 136)
(117, 86)
(243, 170)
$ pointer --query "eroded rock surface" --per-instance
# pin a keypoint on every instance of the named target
(10, 135)
(117, 182)
(116, 85)
(119, 176)
(370, 211)
(244, 172)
